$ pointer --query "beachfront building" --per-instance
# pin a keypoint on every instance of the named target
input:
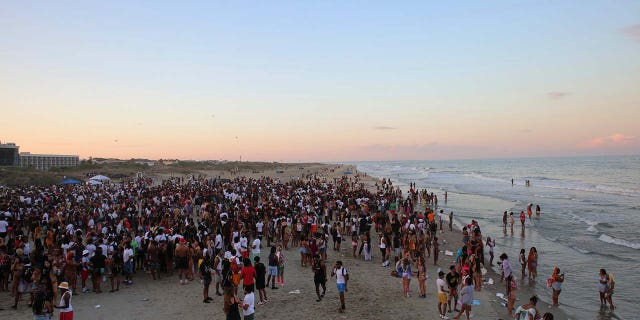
(9, 154)
(46, 161)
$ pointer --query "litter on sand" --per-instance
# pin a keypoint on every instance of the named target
(448, 253)
(475, 303)
(294, 292)
(98, 306)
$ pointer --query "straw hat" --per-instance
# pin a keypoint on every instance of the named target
(64, 285)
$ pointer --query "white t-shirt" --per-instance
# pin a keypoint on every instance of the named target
(91, 248)
(256, 246)
(340, 273)
(440, 284)
(248, 299)
(3, 225)
(244, 243)
(259, 226)
(127, 254)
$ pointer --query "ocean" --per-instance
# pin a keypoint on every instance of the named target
(589, 219)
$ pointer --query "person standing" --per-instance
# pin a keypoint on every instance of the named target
(217, 265)
(512, 221)
(450, 220)
(490, 243)
(231, 303)
(97, 263)
(247, 273)
(556, 281)
(342, 279)
(421, 266)
(507, 270)
(205, 275)
(261, 272)
(66, 310)
(181, 255)
(523, 261)
(273, 268)
(532, 263)
(522, 219)
(255, 248)
(127, 257)
(605, 287)
(248, 302)
(504, 221)
(442, 295)
(453, 280)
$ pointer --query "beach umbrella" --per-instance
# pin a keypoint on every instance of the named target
(94, 182)
(100, 178)
(70, 181)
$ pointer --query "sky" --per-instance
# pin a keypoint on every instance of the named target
(296, 81)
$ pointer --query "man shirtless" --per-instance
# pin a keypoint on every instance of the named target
(182, 259)
(153, 253)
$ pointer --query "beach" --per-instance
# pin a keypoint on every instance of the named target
(372, 292)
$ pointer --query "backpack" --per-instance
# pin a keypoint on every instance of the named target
(235, 268)
(28, 272)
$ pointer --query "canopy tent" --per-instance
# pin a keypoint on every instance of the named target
(94, 182)
(100, 178)
(70, 181)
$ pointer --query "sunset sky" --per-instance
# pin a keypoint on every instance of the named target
(321, 80)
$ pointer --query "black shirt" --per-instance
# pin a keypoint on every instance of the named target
(97, 261)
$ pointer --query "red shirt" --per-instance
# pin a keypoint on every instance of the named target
(247, 274)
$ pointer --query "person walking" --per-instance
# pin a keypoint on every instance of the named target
(319, 276)
(467, 299)
(342, 279)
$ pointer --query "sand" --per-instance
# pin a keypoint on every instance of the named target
(373, 293)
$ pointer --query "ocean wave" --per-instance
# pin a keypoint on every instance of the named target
(580, 250)
(592, 229)
(595, 189)
(552, 197)
(619, 242)
(486, 178)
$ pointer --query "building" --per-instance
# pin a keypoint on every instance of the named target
(47, 161)
(9, 154)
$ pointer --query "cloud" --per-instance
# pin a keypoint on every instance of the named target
(632, 31)
(615, 139)
(557, 95)
(384, 128)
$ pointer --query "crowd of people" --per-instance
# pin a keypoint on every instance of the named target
(74, 238)
(59, 241)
